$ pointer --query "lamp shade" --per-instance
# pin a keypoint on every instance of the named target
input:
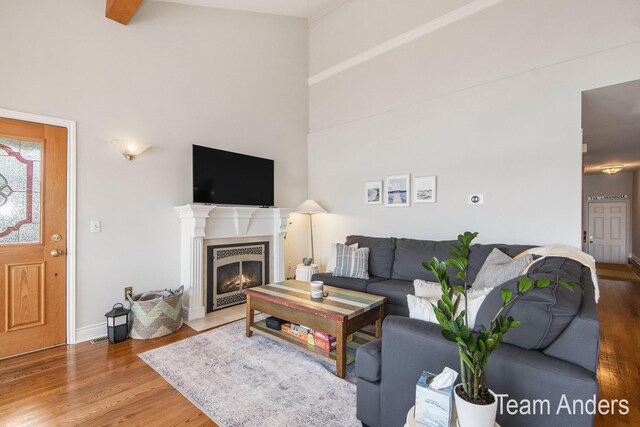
(129, 148)
(309, 207)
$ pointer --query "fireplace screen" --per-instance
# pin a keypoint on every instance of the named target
(232, 268)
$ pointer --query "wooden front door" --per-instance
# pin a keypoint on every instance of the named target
(608, 231)
(33, 235)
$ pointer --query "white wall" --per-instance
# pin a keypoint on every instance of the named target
(636, 217)
(489, 104)
(359, 25)
(175, 76)
(609, 185)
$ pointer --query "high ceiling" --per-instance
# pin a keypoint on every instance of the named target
(300, 8)
(611, 126)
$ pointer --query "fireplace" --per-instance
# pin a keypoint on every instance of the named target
(232, 268)
(202, 226)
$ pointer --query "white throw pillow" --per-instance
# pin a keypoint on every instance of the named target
(498, 268)
(421, 308)
(422, 288)
(331, 263)
(475, 299)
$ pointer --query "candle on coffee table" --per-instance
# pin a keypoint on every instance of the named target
(317, 289)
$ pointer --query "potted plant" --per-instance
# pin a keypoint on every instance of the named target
(475, 404)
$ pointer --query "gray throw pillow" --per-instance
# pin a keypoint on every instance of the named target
(498, 268)
(353, 263)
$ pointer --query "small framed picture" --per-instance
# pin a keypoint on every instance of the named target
(373, 193)
(424, 189)
(397, 191)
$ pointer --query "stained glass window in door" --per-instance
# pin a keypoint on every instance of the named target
(20, 170)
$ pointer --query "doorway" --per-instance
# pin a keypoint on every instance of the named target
(607, 231)
(611, 175)
(33, 236)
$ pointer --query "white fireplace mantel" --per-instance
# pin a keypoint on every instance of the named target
(200, 222)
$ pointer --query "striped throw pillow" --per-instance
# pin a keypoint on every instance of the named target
(353, 263)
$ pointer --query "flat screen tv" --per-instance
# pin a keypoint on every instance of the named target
(223, 177)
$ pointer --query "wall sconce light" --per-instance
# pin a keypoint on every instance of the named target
(130, 149)
(611, 169)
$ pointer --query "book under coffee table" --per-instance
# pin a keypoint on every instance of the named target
(340, 314)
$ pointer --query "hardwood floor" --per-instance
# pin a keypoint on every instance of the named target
(106, 384)
(619, 367)
(93, 385)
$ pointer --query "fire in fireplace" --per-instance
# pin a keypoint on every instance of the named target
(230, 279)
(232, 268)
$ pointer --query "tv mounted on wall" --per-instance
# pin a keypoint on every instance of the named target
(223, 177)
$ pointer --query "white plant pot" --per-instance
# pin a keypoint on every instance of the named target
(472, 415)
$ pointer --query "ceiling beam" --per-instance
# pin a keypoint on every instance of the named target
(122, 10)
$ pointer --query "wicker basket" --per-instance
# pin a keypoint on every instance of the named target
(155, 318)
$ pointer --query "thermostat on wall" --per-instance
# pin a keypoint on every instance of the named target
(476, 199)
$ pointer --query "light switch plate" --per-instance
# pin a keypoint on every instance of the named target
(476, 199)
(95, 226)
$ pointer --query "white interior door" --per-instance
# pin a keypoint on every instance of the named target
(608, 232)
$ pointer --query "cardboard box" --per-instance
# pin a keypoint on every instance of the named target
(324, 344)
(327, 337)
(288, 329)
(323, 335)
(302, 329)
(434, 408)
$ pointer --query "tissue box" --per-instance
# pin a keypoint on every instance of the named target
(434, 408)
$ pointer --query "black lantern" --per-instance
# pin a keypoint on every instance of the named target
(117, 323)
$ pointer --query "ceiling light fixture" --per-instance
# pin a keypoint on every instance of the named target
(611, 169)
(130, 149)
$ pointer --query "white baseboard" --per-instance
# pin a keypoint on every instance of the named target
(635, 259)
(193, 313)
(90, 332)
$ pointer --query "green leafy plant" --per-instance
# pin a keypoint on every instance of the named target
(474, 348)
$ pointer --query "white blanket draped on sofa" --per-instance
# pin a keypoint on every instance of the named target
(565, 251)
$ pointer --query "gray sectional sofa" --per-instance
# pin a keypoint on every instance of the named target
(553, 354)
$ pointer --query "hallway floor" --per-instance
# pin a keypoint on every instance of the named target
(624, 272)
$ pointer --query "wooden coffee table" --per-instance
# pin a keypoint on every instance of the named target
(340, 314)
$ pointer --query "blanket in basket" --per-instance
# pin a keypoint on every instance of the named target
(157, 317)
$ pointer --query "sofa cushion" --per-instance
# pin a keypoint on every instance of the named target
(396, 310)
(395, 290)
(368, 361)
(346, 282)
(478, 254)
(410, 254)
(381, 250)
(580, 341)
(543, 313)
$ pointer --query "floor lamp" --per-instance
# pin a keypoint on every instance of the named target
(310, 207)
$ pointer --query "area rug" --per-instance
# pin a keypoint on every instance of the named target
(240, 381)
(622, 272)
